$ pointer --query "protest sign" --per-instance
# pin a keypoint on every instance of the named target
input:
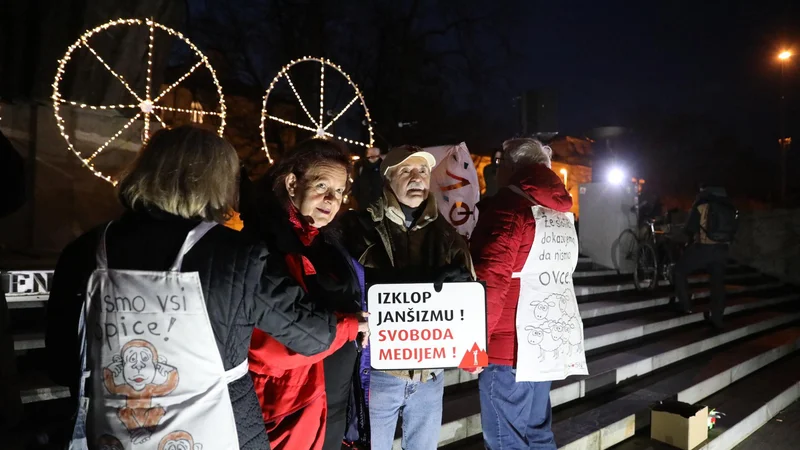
(548, 321)
(454, 183)
(414, 327)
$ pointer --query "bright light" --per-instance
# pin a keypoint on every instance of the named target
(564, 173)
(355, 157)
(784, 55)
(616, 176)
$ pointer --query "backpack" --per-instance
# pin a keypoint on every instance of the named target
(722, 220)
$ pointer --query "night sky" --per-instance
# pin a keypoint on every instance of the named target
(697, 83)
(610, 60)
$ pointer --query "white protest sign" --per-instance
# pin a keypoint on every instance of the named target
(548, 322)
(414, 327)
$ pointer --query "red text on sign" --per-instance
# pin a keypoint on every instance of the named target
(415, 335)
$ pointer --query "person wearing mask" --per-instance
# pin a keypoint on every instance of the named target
(167, 299)
(368, 183)
(402, 238)
(712, 226)
(526, 305)
(294, 206)
(12, 196)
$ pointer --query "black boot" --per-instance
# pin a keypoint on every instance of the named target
(714, 324)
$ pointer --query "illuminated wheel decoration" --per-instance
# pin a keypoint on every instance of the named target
(317, 124)
(146, 104)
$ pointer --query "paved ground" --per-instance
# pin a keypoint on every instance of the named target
(780, 433)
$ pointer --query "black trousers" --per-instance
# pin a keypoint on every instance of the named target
(339, 370)
(711, 257)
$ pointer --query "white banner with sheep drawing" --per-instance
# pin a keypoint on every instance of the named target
(549, 327)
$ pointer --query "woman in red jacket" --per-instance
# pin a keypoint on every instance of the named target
(289, 208)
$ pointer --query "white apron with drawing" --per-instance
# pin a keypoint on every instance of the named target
(549, 327)
(157, 379)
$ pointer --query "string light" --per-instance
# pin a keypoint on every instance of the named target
(341, 112)
(187, 111)
(176, 83)
(84, 105)
(321, 128)
(160, 120)
(116, 75)
(116, 135)
(146, 105)
(300, 100)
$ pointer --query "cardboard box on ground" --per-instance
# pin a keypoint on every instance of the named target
(679, 424)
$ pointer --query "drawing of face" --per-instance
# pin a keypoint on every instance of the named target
(178, 440)
(178, 444)
(139, 367)
(535, 335)
(557, 329)
(108, 442)
(541, 309)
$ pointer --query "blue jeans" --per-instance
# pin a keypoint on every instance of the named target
(514, 416)
(420, 404)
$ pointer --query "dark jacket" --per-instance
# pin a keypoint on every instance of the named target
(12, 196)
(501, 243)
(12, 178)
(321, 265)
(368, 183)
(244, 286)
(698, 215)
(392, 253)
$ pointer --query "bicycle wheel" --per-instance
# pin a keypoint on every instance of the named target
(625, 251)
(645, 272)
(667, 266)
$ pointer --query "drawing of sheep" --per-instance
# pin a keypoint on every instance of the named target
(551, 340)
(567, 303)
(573, 335)
(535, 335)
(541, 308)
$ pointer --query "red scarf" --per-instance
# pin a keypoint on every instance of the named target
(306, 233)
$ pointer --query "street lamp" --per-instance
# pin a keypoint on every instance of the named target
(784, 141)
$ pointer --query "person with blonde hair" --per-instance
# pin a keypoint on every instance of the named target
(187, 291)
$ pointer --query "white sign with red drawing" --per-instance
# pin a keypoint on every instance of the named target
(414, 327)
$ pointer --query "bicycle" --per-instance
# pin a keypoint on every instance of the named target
(652, 250)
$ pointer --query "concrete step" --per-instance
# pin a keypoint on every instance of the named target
(612, 420)
(28, 341)
(601, 276)
(618, 303)
(35, 387)
(590, 286)
(596, 336)
(612, 333)
(595, 273)
(748, 404)
(461, 417)
(780, 433)
(647, 323)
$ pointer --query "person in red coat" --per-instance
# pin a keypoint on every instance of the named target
(514, 414)
(294, 202)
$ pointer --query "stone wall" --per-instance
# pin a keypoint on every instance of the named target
(770, 242)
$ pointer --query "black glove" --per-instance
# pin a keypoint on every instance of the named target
(451, 273)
